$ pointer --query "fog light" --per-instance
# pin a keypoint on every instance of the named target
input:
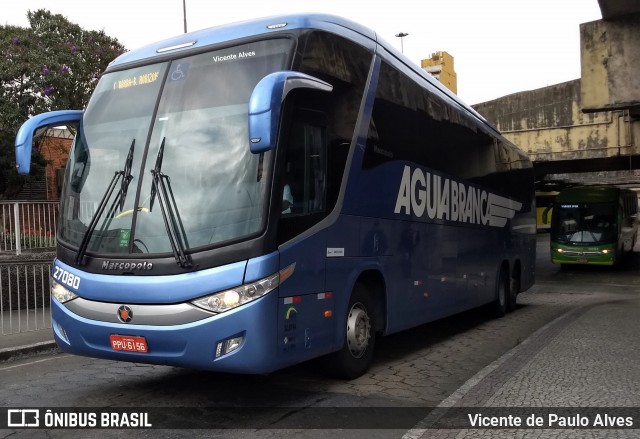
(232, 344)
(229, 345)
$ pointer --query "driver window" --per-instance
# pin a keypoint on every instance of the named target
(304, 182)
(304, 188)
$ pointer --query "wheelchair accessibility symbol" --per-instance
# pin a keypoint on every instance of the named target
(180, 71)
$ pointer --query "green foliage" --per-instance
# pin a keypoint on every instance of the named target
(29, 239)
(52, 65)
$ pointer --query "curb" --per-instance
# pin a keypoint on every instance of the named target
(7, 354)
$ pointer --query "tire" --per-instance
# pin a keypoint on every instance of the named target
(514, 289)
(499, 305)
(356, 354)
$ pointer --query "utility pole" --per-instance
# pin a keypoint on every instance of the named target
(184, 14)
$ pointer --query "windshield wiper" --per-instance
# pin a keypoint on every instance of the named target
(161, 186)
(125, 175)
(118, 201)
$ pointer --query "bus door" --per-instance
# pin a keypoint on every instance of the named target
(305, 326)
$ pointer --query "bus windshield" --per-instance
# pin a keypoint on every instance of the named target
(175, 130)
(593, 223)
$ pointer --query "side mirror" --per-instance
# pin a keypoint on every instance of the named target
(24, 139)
(265, 105)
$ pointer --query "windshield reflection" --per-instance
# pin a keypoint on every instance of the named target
(118, 115)
(218, 184)
(586, 224)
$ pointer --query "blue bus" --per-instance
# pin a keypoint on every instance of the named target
(255, 195)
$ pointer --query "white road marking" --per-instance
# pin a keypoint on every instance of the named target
(32, 362)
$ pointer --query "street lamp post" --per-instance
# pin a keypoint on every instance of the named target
(184, 14)
(401, 35)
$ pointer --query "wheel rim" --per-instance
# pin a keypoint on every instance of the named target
(358, 330)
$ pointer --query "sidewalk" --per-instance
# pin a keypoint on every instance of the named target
(587, 358)
(25, 343)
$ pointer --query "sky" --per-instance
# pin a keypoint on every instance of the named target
(499, 47)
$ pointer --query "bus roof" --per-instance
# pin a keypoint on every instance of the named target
(240, 30)
(278, 24)
(589, 194)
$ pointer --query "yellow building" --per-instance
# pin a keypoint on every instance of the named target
(440, 66)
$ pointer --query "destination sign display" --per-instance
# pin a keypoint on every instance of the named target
(136, 80)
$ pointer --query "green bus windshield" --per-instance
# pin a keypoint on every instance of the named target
(584, 223)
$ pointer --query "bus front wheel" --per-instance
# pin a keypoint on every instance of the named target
(356, 354)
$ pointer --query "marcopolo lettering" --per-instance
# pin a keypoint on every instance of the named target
(110, 265)
(425, 194)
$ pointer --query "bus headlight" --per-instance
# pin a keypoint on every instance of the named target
(605, 251)
(60, 293)
(234, 297)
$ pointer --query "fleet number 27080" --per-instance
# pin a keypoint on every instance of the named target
(64, 277)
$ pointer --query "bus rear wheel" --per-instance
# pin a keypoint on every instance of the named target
(500, 304)
(514, 290)
(356, 354)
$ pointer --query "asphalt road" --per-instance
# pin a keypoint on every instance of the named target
(412, 372)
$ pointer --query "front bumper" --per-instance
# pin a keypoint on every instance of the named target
(604, 255)
(192, 345)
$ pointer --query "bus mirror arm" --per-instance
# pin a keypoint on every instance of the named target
(266, 101)
(24, 138)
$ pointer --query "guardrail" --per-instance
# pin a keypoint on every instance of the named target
(24, 296)
(28, 225)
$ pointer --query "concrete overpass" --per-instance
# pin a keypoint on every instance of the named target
(613, 9)
(589, 125)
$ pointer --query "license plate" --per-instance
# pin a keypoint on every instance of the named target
(581, 260)
(128, 343)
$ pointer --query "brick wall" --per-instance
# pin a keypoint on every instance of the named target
(56, 151)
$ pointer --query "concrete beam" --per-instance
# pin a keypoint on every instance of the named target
(617, 8)
(619, 163)
(610, 60)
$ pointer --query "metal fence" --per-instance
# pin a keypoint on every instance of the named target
(28, 225)
(24, 296)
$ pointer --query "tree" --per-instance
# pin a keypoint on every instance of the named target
(51, 65)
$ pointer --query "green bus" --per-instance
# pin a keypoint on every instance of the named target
(593, 225)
